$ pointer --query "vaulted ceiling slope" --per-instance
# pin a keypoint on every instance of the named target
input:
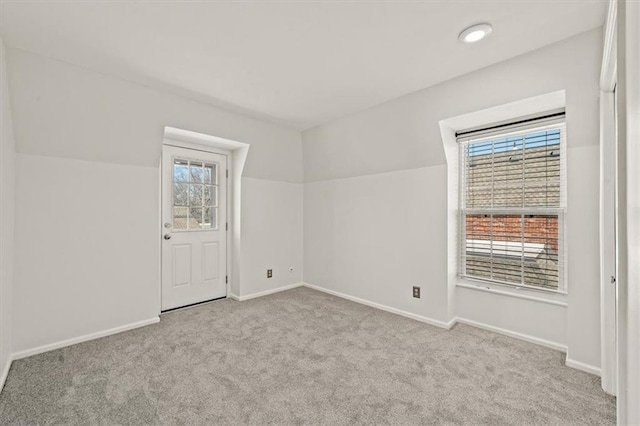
(299, 64)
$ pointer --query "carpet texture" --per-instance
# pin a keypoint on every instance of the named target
(301, 357)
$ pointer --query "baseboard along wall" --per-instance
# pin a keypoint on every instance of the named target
(427, 320)
(5, 372)
(264, 293)
(68, 342)
(84, 338)
(582, 366)
(515, 335)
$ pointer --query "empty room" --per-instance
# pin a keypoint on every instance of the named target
(320, 212)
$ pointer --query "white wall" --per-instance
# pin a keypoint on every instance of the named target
(508, 313)
(583, 236)
(7, 203)
(85, 248)
(91, 116)
(376, 236)
(271, 235)
(360, 177)
(88, 142)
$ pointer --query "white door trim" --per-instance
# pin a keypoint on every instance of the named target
(608, 212)
(229, 185)
(628, 101)
(608, 308)
(196, 147)
(608, 71)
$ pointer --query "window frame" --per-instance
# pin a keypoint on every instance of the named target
(216, 185)
(560, 211)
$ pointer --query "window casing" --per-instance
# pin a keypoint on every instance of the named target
(512, 205)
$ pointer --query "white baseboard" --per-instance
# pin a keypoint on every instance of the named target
(80, 339)
(427, 320)
(514, 334)
(264, 293)
(233, 296)
(5, 372)
(582, 366)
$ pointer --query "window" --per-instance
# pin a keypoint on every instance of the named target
(195, 195)
(512, 203)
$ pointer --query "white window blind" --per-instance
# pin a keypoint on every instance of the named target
(512, 203)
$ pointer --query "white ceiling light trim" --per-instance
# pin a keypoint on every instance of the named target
(475, 33)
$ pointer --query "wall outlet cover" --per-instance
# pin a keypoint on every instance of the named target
(416, 292)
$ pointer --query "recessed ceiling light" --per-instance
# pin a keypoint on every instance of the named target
(475, 33)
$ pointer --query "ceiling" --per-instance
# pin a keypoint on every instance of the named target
(300, 63)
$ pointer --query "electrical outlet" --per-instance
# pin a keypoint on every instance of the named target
(416, 292)
(269, 273)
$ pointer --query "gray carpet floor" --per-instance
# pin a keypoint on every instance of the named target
(301, 357)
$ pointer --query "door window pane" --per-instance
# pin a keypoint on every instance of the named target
(210, 174)
(180, 217)
(195, 195)
(211, 195)
(180, 170)
(210, 218)
(196, 172)
(180, 194)
(195, 217)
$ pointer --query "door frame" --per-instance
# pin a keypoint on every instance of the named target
(628, 103)
(201, 148)
(608, 214)
(608, 200)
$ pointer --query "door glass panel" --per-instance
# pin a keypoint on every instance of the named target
(180, 170)
(195, 217)
(210, 218)
(210, 195)
(210, 174)
(195, 195)
(180, 217)
(180, 194)
(196, 170)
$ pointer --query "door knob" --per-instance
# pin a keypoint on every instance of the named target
(167, 236)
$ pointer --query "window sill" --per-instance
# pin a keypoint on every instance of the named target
(557, 299)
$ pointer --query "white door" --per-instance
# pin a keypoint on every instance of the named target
(194, 223)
